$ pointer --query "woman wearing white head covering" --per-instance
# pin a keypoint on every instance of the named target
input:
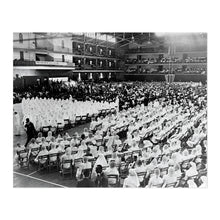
(147, 144)
(132, 180)
(17, 124)
(145, 155)
(79, 154)
(185, 155)
(101, 161)
(83, 145)
(175, 158)
(93, 150)
(112, 170)
(155, 180)
(204, 182)
(177, 170)
(192, 171)
(129, 139)
(198, 150)
(170, 177)
(166, 149)
(191, 184)
(156, 151)
(152, 166)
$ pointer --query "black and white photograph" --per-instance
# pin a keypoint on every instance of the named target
(110, 109)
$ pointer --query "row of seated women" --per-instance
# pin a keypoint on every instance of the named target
(165, 134)
(51, 112)
(147, 160)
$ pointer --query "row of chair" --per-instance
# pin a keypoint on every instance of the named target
(78, 120)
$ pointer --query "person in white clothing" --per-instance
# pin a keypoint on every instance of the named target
(17, 124)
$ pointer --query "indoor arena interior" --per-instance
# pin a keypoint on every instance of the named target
(110, 109)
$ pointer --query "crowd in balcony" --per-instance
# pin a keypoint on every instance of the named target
(167, 60)
(93, 50)
(175, 70)
(99, 64)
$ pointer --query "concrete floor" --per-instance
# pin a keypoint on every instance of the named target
(24, 177)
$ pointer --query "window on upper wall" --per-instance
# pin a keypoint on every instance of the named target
(62, 43)
(20, 38)
(21, 55)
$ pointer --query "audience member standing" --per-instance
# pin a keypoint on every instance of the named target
(30, 130)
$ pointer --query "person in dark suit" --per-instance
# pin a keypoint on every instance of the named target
(30, 130)
(101, 179)
(86, 182)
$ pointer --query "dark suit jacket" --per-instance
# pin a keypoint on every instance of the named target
(85, 183)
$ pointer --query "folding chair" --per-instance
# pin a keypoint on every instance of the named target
(92, 160)
(203, 172)
(66, 146)
(77, 120)
(143, 175)
(77, 163)
(171, 185)
(74, 152)
(23, 158)
(135, 152)
(84, 118)
(66, 168)
(72, 122)
(113, 180)
(123, 171)
(53, 130)
(103, 112)
(69, 138)
(90, 172)
(53, 161)
(66, 123)
(104, 168)
(108, 156)
(60, 127)
(45, 130)
(43, 162)
(164, 170)
(108, 111)
(99, 142)
(113, 110)
(158, 185)
(33, 154)
(128, 156)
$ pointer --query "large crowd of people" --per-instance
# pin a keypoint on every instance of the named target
(158, 138)
(54, 112)
(176, 70)
(167, 60)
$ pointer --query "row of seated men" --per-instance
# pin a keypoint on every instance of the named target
(173, 141)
